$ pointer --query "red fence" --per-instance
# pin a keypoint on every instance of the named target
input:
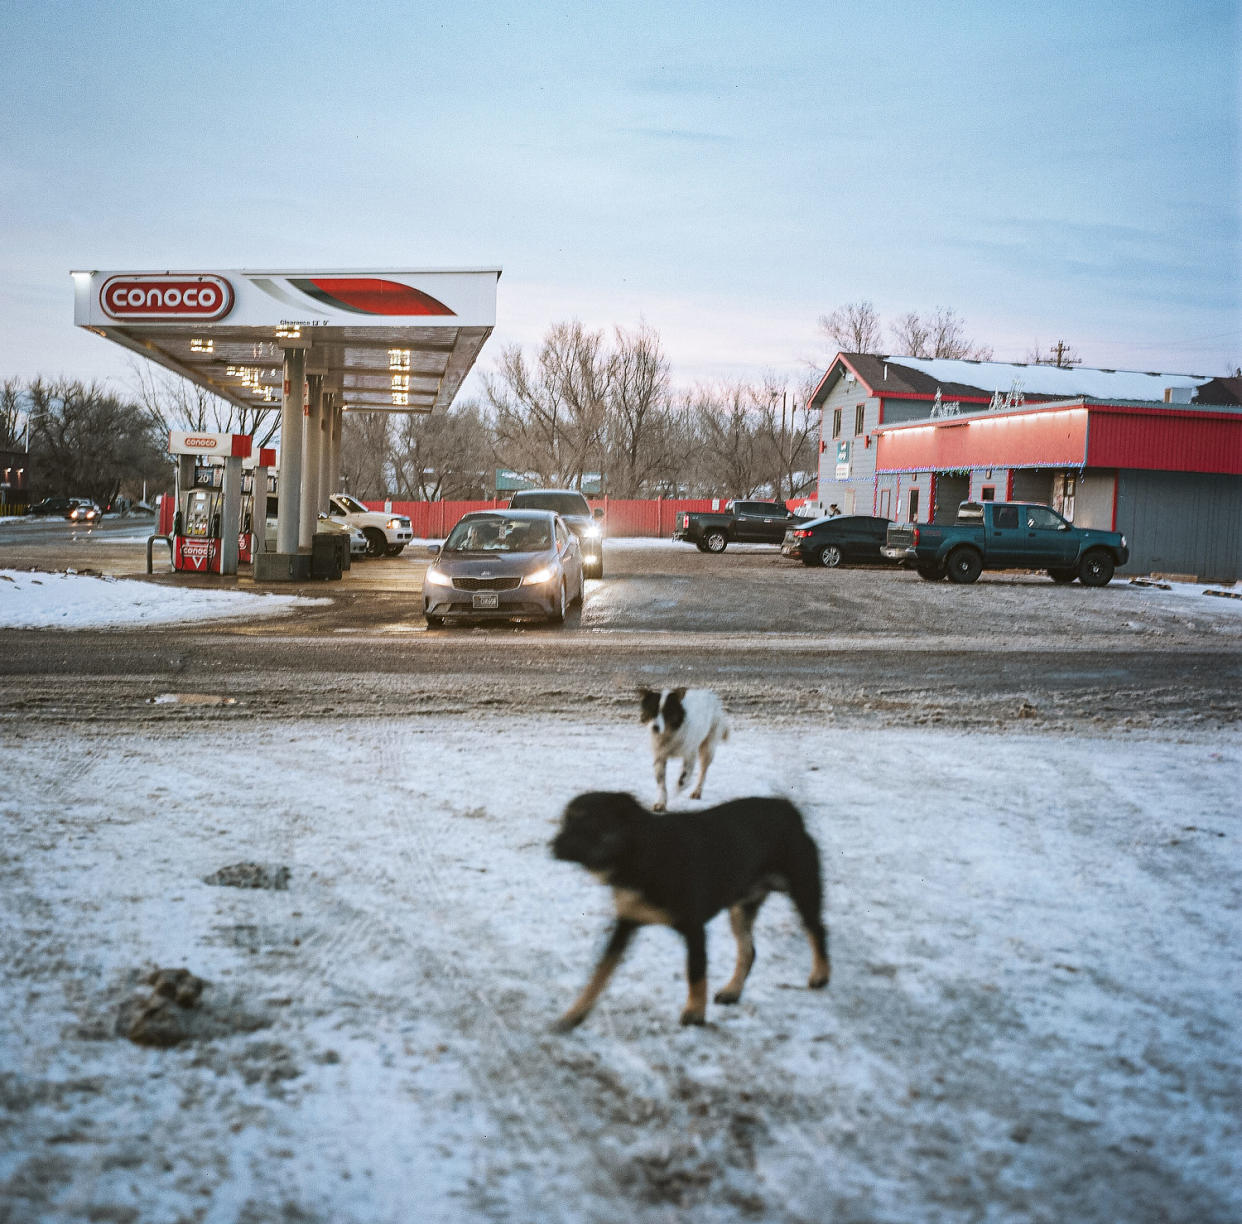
(434, 520)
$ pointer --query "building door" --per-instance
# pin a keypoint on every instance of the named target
(913, 516)
(951, 491)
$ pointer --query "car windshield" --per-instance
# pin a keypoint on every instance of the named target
(560, 503)
(497, 533)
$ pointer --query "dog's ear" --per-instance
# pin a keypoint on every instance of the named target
(649, 704)
(674, 709)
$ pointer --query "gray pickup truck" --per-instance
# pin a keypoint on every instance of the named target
(1007, 535)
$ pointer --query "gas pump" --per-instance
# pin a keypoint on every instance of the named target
(258, 481)
(207, 521)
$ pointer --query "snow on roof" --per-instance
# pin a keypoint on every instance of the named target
(1067, 381)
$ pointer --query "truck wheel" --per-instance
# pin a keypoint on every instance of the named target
(715, 541)
(1096, 569)
(1062, 575)
(933, 573)
(377, 541)
(964, 565)
(829, 556)
(395, 550)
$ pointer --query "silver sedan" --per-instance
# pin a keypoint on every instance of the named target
(504, 565)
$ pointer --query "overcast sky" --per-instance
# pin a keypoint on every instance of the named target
(727, 172)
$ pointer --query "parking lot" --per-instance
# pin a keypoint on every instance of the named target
(1025, 797)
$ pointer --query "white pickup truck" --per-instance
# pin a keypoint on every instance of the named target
(387, 534)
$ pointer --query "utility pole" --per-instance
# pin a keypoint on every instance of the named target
(1063, 355)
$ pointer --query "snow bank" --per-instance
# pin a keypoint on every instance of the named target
(33, 600)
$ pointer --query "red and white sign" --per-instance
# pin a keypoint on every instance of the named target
(150, 297)
(230, 446)
(201, 555)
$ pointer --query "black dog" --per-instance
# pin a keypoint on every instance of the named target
(682, 869)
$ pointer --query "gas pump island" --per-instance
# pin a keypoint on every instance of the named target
(217, 523)
(311, 345)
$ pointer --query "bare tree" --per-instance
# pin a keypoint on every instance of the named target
(88, 441)
(940, 334)
(727, 420)
(853, 328)
(638, 412)
(12, 415)
(550, 415)
(788, 433)
(365, 453)
(177, 403)
(443, 455)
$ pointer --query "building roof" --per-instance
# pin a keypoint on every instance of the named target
(922, 377)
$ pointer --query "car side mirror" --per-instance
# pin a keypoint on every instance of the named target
(433, 550)
(598, 513)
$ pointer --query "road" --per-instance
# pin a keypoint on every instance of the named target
(854, 646)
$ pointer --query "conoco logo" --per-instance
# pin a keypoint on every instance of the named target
(167, 297)
(201, 443)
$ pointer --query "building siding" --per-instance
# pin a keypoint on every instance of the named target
(1182, 523)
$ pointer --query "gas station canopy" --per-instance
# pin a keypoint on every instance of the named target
(383, 341)
(314, 345)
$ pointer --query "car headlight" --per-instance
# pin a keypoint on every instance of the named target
(394, 524)
(434, 578)
(592, 533)
(539, 576)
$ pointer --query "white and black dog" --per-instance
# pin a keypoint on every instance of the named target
(684, 723)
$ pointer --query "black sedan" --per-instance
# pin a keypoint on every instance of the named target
(504, 564)
(847, 538)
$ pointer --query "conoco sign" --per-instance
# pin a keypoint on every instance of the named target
(167, 297)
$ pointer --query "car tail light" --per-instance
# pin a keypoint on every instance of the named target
(801, 535)
(685, 520)
(915, 539)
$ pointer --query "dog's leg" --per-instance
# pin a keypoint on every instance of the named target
(617, 941)
(687, 764)
(661, 772)
(742, 919)
(806, 892)
(695, 1011)
(707, 749)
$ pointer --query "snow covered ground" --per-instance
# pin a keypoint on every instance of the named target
(32, 600)
(1033, 1014)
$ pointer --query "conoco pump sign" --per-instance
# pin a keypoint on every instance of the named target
(167, 297)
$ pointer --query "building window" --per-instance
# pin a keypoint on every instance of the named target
(836, 422)
(859, 413)
(987, 493)
(914, 506)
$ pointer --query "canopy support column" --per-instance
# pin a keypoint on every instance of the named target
(312, 440)
(291, 413)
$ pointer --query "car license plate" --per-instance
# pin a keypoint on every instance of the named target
(486, 599)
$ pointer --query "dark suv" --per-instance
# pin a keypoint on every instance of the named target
(576, 511)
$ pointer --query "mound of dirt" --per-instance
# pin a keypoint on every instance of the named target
(250, 875)
(156, 1019)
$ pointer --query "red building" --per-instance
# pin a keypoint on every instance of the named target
(916, 437)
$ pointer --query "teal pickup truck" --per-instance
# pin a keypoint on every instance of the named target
(1007, 535)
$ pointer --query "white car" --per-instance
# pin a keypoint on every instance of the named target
(387, 534)
(359, 545)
